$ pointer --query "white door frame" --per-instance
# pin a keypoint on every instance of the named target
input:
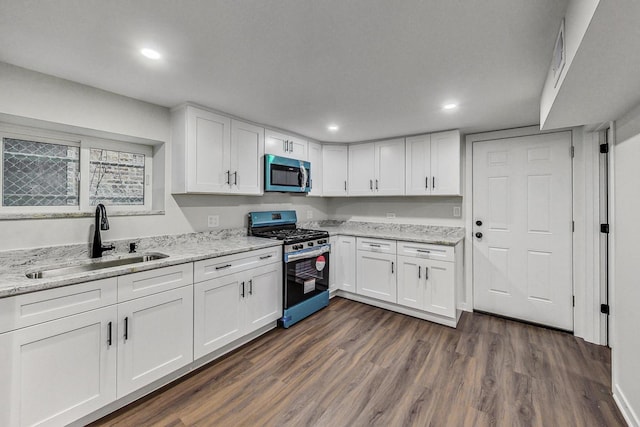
(586, 284)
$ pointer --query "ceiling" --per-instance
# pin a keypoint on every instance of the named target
(375, 68)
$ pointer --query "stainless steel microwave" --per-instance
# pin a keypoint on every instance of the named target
(285, 175)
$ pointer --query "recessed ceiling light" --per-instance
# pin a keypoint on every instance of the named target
(449, 106)
(150, 53)
(333, 128)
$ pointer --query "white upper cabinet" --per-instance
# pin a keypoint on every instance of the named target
(433, 164)
(377, 169)
(283, 145)
(247, 151)
(315, 158)
(334, 170)
(213, 154)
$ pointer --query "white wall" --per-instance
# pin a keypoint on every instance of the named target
(431, 210)
(45, 98)
(626, 284)
(577, 19)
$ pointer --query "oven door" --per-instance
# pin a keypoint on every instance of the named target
(306, 274)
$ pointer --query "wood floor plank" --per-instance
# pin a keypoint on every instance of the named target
(356, 365)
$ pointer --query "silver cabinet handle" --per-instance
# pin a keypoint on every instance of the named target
(284, 146)
(371, 184)
(376, 184)
(424, 251)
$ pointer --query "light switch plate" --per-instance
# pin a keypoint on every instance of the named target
(456, 211)
(213, 221)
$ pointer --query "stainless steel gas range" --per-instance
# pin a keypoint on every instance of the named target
(306, 258)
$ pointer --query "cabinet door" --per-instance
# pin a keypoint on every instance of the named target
(411, 282)
(389, 168)
(345, 262)
(155, 337)
(376, 275)
(418, 165)
(283, 145)
(247, 151)
(334, 170)
(445, 163)
(333, 285)
(56, 372)
(361, 169)
(440, 288)
(263, 296)
(218, 313)
(315, 158)
(208, 151)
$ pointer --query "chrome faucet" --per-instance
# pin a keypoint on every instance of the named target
(102, 223)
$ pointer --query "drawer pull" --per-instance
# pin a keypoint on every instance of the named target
(424, 251)
(223, 267)
(373, 245)
(266, 256)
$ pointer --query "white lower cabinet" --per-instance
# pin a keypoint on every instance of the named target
(427, 285)
(344, 260)
(376, 274)
(155, 337)
(55, 372)
(231, 306)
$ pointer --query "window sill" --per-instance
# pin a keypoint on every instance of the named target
(44, 215)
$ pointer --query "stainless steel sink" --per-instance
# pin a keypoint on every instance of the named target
(92, 266)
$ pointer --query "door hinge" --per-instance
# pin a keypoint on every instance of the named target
(573, 300)
(604, 309)
(604, 148)
(573, 151)
(604, 228)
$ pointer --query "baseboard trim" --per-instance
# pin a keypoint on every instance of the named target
(625, 408)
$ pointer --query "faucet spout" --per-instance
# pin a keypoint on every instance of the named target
(101, 223)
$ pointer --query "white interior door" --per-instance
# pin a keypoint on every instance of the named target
(522, 206)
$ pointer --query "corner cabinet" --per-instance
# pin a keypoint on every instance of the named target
(212, 153)
(433, 164)
(279, 144)
(377, 169)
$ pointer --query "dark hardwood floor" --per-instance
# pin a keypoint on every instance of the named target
(356, 365)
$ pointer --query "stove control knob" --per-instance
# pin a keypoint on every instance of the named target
(320, 242)
(297, 247)
(310, 244)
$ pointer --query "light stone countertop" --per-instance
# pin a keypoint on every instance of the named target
(180, 248)
(437, 235)
(186, 248)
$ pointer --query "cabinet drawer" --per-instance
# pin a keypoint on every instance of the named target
(377, 245)
(37, 307)
(221, 266)
(150, 282)
(425, 250)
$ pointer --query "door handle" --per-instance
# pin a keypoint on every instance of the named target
(109, 340)
(242, 294)
(250, 286)
(479, 223)
(479, 235)
(126, 328)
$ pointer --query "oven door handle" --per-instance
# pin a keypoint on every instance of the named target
(307, 254)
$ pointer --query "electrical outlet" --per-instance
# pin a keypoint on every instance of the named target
(456, 211)
(391, 215)
(309, 214)
(213, 221)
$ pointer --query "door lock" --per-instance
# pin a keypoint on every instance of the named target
(479, 235)
(478, 223)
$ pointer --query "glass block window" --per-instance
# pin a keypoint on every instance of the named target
(116, 177)
(39, 174)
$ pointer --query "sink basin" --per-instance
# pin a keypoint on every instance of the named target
(92, 266)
